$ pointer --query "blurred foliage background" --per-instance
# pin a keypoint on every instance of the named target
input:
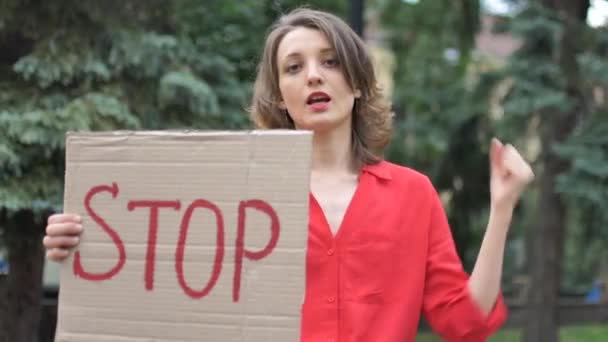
(457, 74)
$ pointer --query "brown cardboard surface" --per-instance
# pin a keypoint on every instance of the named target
(109, 173)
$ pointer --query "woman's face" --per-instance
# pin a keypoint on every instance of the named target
(312, 84)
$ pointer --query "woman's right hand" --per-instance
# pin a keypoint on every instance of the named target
(62, 234)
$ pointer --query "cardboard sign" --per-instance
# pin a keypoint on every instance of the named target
(188, 236)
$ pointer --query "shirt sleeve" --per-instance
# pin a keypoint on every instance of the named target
(448, 305)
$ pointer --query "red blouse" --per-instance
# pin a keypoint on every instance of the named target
(392, 260)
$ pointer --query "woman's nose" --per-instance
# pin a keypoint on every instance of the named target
(314, 76)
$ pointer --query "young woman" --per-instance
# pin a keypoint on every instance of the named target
(380, 251)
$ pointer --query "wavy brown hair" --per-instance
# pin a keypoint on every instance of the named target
(372, 116)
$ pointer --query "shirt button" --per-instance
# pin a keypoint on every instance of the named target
(330, 251)
(331, 340)
(331, 299)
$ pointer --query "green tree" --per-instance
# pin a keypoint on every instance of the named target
(555, 74)
(585, 182)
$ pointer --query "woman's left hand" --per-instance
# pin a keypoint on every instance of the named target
(509, 175)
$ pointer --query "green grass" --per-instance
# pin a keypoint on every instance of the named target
(580, 333)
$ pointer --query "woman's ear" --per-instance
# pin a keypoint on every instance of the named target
(282, 105)
(357, 93)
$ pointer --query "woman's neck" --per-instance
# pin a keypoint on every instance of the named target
(332, 152)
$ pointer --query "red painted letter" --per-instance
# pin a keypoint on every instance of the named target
(240, 250)
(181, 245)
(152, 233)
(122, 255)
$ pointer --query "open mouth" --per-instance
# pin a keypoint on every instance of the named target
(318, 98)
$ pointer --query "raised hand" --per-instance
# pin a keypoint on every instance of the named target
(509, 175)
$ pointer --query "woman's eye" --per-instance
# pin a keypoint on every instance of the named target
(292, 68)
(331, 62)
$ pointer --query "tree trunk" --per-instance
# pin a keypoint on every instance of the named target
(21, 289)
(548, 240)
(357, 17)
(547, 253)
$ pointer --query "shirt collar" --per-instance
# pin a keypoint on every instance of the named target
(380, 170)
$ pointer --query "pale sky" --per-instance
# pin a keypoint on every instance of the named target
(598, 13)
